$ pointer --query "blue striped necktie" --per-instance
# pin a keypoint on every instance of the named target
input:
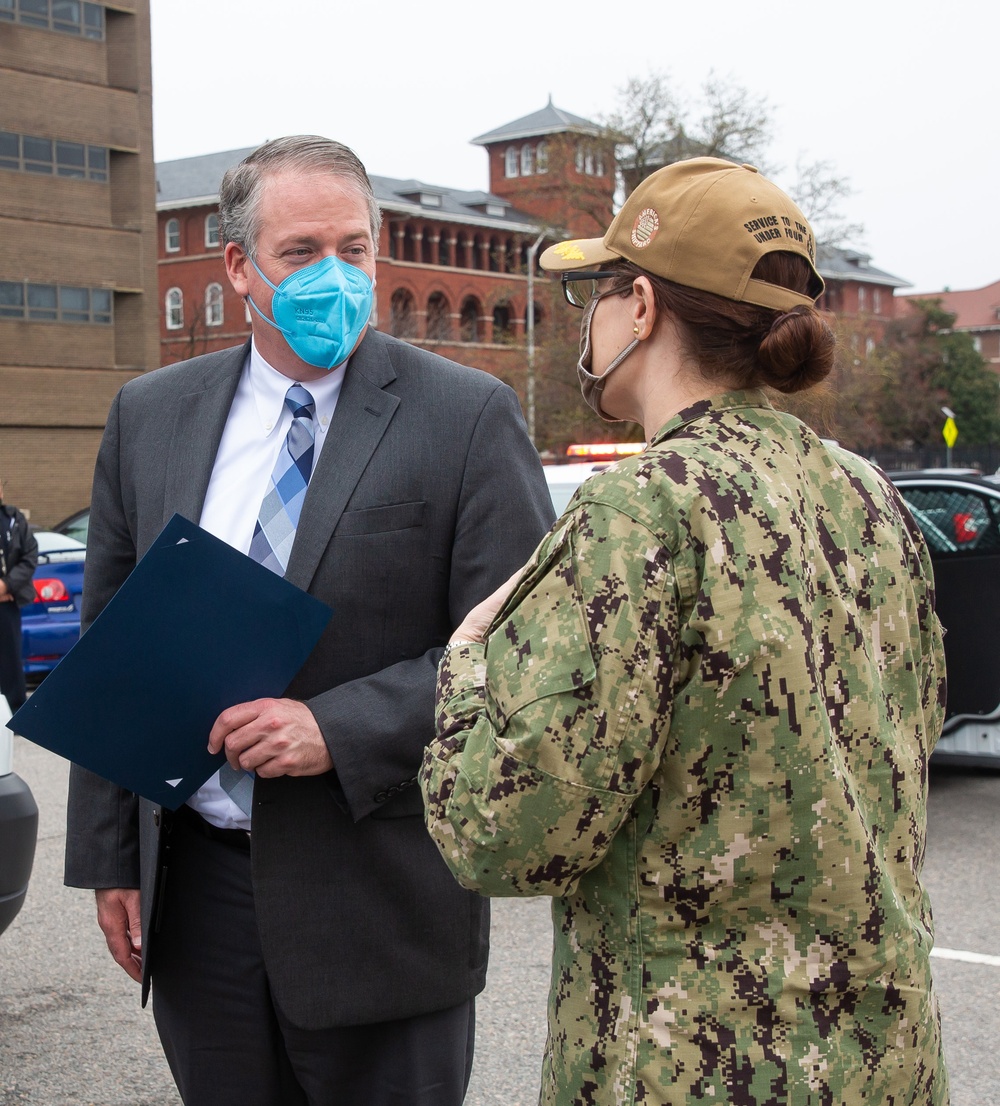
(274, 533)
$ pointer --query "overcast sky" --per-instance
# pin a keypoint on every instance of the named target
(901, 98)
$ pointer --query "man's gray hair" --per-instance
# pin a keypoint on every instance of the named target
(239, 194)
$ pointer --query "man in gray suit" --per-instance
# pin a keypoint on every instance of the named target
(312, 947)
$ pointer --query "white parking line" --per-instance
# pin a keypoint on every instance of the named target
(967, 957)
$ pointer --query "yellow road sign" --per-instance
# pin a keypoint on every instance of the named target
(949, 432)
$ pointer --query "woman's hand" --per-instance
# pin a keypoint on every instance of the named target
(473, 627)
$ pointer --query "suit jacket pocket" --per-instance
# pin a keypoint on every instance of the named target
(381, 520)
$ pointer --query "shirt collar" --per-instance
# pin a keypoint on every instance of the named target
(269, 388)
(725, 401)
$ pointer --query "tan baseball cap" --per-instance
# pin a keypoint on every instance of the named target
(703, 223)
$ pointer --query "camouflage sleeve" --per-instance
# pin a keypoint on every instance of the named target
(545, 742)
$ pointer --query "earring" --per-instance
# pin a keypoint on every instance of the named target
(635, 331)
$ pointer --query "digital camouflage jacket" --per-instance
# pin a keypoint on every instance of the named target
(702, 723)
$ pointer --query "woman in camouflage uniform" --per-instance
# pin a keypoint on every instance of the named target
(701, 717)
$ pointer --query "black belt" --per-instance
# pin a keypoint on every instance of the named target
(191, 818)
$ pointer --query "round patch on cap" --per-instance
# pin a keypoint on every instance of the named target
(644, 228)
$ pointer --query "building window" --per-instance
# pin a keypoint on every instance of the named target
(862, 297)
(27, 153)
(69, 17)
(469, 320)
(211, 230)
(175, 309)
(402, 317)
(542, 158)
(527, 160)
(501, 323)
(54, 303)
(173, 235)
(877, 300)
(510, 162)
(438, 318)
(213, 305)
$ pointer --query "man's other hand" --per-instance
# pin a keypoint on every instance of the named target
(272, 737)
(120, 920)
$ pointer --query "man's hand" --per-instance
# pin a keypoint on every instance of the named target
(120, 920)
(272, 737)
(5, 595)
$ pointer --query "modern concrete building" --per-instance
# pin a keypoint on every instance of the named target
(78, 302)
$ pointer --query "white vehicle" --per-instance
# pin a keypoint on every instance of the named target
(563, 480)
(18, 827)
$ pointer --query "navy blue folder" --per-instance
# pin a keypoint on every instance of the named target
(196, 628)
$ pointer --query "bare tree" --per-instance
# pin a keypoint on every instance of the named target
(653, 127)
(819, 191)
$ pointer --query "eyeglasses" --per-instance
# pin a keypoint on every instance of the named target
(580, 286)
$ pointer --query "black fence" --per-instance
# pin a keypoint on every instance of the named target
(984, 459)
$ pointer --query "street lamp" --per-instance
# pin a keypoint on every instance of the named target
(530, 376)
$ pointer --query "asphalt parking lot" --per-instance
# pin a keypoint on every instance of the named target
(72, 1032)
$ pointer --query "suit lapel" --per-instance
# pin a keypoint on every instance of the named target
(361, 418)
(199, 422)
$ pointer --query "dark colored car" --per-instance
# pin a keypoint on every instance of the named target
(51, 625)
(959, 514)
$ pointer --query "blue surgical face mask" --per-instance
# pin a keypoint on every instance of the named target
(321, 310)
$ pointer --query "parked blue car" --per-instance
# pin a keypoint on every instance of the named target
(50, 627)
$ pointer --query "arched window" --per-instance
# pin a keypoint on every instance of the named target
(469, 320)
(579, 159)
(438, 318)
(510, 162)
(599, 164)
(527, 160)
(402, 317)
(211, 231)
(173, 235)
(501, 323)
(213, 305)
(542, 158)
(175, 309)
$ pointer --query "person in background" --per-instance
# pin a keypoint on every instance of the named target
(18, 560)
(700, 718)
(307, 944)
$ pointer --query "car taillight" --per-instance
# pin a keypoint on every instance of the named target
(50, 591)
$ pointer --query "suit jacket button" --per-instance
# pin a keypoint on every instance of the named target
(381, 797)
(156, 817)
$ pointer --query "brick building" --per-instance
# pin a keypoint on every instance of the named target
(861, 297)
(976, 311)
(77, 220)
(452, 269)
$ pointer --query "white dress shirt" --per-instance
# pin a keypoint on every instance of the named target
(254, 433)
